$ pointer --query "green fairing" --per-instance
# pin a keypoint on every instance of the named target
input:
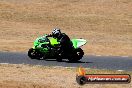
(54, 41)
(74, 42)
(43, 41)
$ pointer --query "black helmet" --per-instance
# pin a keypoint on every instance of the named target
(56, 32)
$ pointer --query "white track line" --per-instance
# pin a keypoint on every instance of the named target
(4, 63)
(109, 55)
(120, 70)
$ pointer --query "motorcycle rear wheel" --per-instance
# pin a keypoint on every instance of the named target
(77, 55)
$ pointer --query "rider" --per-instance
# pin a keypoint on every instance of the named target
(65, 42)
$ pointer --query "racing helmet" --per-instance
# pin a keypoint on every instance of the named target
(56, 32)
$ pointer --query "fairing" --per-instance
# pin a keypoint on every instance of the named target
(78, 42)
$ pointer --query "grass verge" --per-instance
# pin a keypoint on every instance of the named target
(30, 76)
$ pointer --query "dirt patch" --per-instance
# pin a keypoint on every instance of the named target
(27, 76)
(106, 25)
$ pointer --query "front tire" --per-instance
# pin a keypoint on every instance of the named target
(34, 54)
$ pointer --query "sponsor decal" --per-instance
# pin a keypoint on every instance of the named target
(83, 78)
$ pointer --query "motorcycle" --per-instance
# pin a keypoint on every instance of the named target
(47, 48)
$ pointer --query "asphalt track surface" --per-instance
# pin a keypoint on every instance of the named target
(98, 62)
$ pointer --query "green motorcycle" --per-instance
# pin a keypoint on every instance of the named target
(47, 48)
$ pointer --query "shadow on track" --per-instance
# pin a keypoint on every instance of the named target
(68, 61)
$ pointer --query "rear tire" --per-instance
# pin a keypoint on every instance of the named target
(77, 55)
(59, 60)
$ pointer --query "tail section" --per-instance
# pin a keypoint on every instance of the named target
(78, 42)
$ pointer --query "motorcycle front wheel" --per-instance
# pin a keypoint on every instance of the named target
(34, 54)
